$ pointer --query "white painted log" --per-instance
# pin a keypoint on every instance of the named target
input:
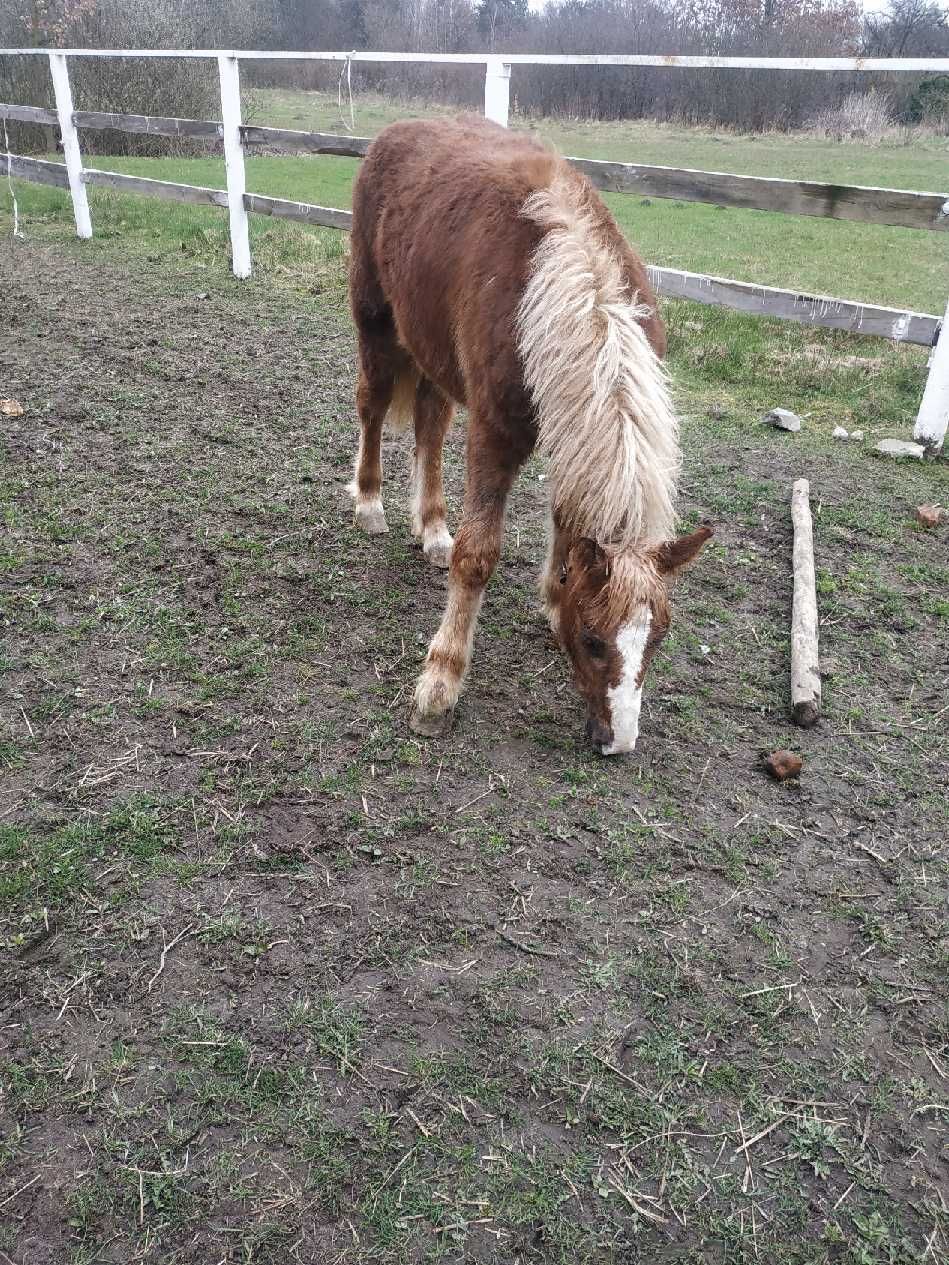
(497, 90)
(932, 420)
(234, 161)
(70, 138)
(805, 663)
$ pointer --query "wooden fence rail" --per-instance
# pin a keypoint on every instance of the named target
(197, 195)
(895, 207)
(36, 170)
(29, 114)
(148, 125)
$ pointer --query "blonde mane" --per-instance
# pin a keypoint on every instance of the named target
(605, 419)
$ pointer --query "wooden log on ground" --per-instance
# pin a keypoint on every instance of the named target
(791, 305)
(805, 663)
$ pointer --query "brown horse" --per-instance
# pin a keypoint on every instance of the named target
(486, 271)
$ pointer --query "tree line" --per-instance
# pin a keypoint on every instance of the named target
(749, 100)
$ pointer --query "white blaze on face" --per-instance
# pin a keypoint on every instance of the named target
(626, 698)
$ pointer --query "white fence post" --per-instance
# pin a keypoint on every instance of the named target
(71, 152)
(234, 159)
(497, 90)
(933, 417)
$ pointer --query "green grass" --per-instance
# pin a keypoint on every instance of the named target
(908, 163)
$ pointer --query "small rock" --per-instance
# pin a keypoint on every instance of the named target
(930, 515)
(783, 418)
(900, 448)
(11, 408)
(857, 436)
(839, 433)
(783, 765)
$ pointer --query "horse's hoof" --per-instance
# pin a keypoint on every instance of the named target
(434, 726)
(439, 555)
(371, 520)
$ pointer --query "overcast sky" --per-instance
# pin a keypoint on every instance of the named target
(869, 6)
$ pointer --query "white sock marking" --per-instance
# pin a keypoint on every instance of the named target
(626, 698)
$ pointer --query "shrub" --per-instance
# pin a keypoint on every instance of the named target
(859, 116)
(929, 104)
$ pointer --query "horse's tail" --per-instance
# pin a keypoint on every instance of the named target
(401, 412)
(605, 418)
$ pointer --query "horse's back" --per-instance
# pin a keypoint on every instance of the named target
(417, 163)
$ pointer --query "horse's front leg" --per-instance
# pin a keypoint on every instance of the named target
(474, 557)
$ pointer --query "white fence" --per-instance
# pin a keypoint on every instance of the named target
(899, 207)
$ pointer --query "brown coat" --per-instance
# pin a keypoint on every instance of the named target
(449, 279)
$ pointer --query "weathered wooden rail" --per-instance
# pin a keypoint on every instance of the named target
(926, 211)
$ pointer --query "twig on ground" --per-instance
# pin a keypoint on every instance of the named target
(773, 988)
(168, 946)
(843, 1196)
(763, 1133)
(622, 1075)
(10, 1198)
(526, 948)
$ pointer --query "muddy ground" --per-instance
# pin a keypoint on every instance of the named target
(282, 983)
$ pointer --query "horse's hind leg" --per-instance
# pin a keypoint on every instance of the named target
(433, 412)
(385, 371)
(373, 395)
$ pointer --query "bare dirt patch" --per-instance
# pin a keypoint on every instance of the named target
(280, 982)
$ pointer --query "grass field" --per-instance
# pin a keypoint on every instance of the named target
(280, 983)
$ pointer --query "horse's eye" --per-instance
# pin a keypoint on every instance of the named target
(596, 646)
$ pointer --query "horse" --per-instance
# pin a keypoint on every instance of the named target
(486, 272)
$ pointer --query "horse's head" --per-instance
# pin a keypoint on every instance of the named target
(613, 615)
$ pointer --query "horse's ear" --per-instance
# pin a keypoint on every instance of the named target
(676, 554)
(586, 553)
